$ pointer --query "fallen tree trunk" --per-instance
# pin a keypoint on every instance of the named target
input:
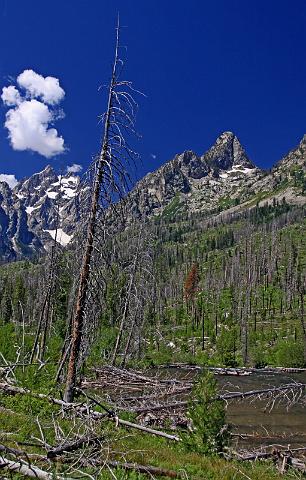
(226, 396)
(72, 446)
(282, 458)
(264, 391)
(27, 469)
(230, 370)
(265, 455)
(128, 374)
(166, 393)
(13, 390)
(83, 408)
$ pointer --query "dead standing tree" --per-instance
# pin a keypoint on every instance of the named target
(138, 292)
(110, 179)
(43, 326)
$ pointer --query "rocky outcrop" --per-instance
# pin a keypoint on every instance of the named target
(196, 182)
(296, 158)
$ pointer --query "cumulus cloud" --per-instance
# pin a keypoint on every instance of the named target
(11, 180)
(28, 129)
(75, 168)
(28, 120)
(10, 96)
(47, 88)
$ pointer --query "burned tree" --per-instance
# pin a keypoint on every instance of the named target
(110, 178)
(136, 265)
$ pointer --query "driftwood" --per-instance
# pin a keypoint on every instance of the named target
(140, 393)
(216, 370)
(163, 393)
(82, 408)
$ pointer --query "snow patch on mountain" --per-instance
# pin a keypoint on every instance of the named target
(60, 236)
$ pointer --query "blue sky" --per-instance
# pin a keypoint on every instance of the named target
(205, 67)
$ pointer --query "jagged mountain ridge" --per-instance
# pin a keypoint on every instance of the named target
(30, 212)
(223, 178)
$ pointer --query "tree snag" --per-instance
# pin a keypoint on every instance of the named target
(109, 178)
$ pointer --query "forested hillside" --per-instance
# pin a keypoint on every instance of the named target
(228, 290)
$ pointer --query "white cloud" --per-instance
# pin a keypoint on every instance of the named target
(11, 180)
(46, 88)
(28, 129)
(75, 168)
(28, 120)
(10, 96)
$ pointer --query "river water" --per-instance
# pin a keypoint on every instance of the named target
(284, 423)
(260, 421)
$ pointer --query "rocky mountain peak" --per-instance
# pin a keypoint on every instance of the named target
(30, 213)
(226, 153)
(191, 164)
(36, 181)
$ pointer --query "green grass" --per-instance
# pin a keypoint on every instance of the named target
(173, 208)
(18, 417)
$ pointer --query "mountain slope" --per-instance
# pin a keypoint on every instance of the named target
(30, 212)
(218, 180)
(222, 179)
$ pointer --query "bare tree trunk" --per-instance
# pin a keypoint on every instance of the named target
(302, 314)
(127, 300)
(23, 334)
(128, 343)
(78, 318)
(39, 327)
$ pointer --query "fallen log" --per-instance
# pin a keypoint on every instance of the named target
(282, 458)
(129, 374)
(13, 451)
(13, 390)
(226, 396)
(164, 406)
(83, 408)
(72, 446)
(27, 469)
(264, 455)
(263, 391)
(187, 366)
(161, 394)
(22, 453)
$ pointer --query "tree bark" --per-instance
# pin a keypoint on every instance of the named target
(78, 318)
